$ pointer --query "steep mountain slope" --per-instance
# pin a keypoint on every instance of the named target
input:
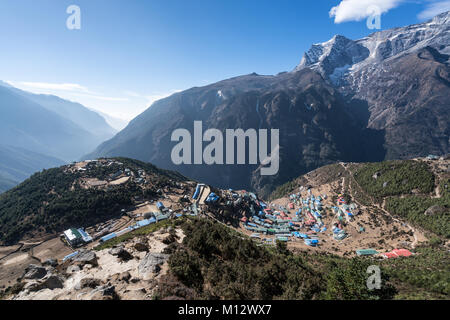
(43, 131)
(315, 128)
(17, 164)
(77, 113)
(28, 125)
(116, 123)
(403, 76)
(381, 97)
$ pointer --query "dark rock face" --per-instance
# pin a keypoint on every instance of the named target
(34, 272)
(315, 127)
(53, 282)
(121, 253)
(408, 100)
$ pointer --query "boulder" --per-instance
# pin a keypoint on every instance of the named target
(151, 263)
(115, 251)
(34, 272)
(86, 257)
(88, 283)
(433, 210)
(73, 269)
(169, 239)
(50, 262)
(104, 293)
(141, 247)
(121, 253)
(53, 282)
(125, 276)
(135, 280)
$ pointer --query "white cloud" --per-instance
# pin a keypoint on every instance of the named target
(49, 86)
(125, 105)
(357, 10)
(60, 88)
(433, 9)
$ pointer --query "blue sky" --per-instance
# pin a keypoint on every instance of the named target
(129, 53)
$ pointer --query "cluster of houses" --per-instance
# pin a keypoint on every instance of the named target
(276, 221)
(301, 219)
(139, 177)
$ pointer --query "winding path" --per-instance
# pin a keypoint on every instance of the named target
(381, 207)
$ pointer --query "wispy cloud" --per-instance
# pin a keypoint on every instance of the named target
(125, 104)
(433, 9)
(50, 86)
(357, 10)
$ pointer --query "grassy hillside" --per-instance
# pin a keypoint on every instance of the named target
(216, 262)
(408, 187)
(413, 209)
(395, 178)
(52, 200)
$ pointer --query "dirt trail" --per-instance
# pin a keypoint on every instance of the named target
(381, 207)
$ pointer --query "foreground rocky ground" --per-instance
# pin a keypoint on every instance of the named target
(128, 271)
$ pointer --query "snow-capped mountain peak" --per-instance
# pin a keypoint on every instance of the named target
(340, 55)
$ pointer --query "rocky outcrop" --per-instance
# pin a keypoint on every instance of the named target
(436, 209)
(53, 282)
(151, 264)
(88, 283)
(34, 272)
(121, 253)
(104, 293)
(141, 247)
(86, 257)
